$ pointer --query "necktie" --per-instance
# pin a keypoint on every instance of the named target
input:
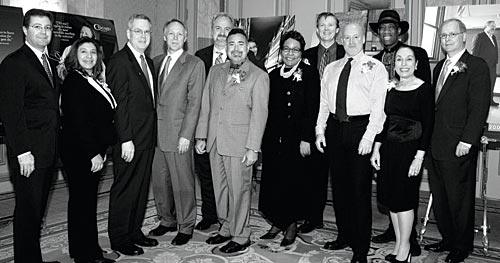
(442, 77)
(47, 68)
(144, 67)
(219, 60)
(164, 72)
(323, 63)
(388, 60)
(340, 104)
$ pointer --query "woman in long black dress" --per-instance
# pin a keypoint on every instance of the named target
(87, 131)
(293, 107)
(399, 149)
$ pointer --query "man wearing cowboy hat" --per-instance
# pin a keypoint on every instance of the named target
(388, 28)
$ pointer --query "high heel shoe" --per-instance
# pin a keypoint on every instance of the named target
(408, 259)
(290, 231)
(390, 257)
(272, 233)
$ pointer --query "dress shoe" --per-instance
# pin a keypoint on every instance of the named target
(494, 103)
(408, 259)
(390, 257)
(162, 230)
(309, 226)
(233, 247)
(98, 260)
(457, 256)
(181, 239)
(218, 239)
(415, 249)
(290, 235)
(146, 242)
(204, 224)
(271, 234)
(335, 245)
(385, 237)
(51, 262)
(437, 247)
(128, 249)
(359, 259)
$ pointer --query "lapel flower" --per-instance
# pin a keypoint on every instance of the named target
(367, 66)
(238, 76)
(306, 61)
(393, 83)
(458, 68)
(297, 75)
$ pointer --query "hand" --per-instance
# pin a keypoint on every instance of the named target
(320, 142)
(305, 148)
(128, 150)
(365, 147)
(415, 167)
(375, 160)
(26, 164)
(183, 145)
(97, 163)
(201, 146)
(249, 158)
(462, 149)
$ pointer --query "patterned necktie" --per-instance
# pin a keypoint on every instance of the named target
(323, 63)
(46, 67)
(442, 77)
(388, 60)
(219, 60)
(340, 104)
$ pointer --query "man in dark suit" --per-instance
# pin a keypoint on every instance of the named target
(133, 84)
(327, 51)
(180, 83)
(388, 28)
(485, 46)
(29, 110)
(462, 86)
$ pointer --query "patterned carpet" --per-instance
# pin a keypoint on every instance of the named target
(306, 249)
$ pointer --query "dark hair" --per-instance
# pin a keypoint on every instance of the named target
(71, 62)
(235, 31)
(325, 15)
(89, 26)
(293, 35)
(172, 21)
(37, 12)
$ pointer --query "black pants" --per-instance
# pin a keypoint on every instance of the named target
(202, 166)
(129, 196)
(316, 187)
(351, 180)
(31, 201)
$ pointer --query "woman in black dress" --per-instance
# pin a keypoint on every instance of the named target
(87, 131)
(399, 149)
(293, 107)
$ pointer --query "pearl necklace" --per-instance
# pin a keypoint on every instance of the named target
(290, 72)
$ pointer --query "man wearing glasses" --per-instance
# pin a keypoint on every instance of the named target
(462, 89)
(29, 110)
(133, 84)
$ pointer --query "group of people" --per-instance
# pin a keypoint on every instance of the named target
(330, 108)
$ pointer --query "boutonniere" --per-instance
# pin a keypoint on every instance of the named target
(367, 66)
(297, 75)
(306, 61)
(238, 76)
(458, 68)
(392, 84)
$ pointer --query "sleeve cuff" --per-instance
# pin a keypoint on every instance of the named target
(23, 154)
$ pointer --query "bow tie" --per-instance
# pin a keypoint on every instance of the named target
(234, 66)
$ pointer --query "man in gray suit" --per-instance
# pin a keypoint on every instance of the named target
(232, 121)
(180, 80)
(485, 46)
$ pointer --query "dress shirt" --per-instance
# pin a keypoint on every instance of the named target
(173, 58)
(366, 91)
(490, 36)
(332, 53)
(216, 54)
(39, 53)
(453, 60)
(137, 56)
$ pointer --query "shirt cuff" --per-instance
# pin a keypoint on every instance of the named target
(320, 130)
(369, 135)
(23, 154)
(468, 145)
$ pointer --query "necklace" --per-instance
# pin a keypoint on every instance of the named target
(290, 72)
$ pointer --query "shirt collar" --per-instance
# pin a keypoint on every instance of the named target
(37, 52)
(398, 44)
(330, 48)
(216, 51)
(455, 58)
(137, 55)
(175, 56)
(354, 58)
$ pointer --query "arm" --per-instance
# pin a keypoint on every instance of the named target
(323, 113)
(423, 70)
(201, 133)
(378, 91)
(258, 114)
(476, 45)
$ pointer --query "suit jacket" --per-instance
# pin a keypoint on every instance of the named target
(311, 54)
(484, 48)
(29, 106)
(423, 70)
(234, 114)
(461, 108)
(179, 100)
(88, 118)
(135, 117)
(207, 55)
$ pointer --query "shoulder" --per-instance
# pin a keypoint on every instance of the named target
(119, 56)
(203, 51)
(367, 59)
(16, 57)
(256, 70)
(475, 62)
(311, 51)
(193, 59)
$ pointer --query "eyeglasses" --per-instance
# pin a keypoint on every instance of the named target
(140, 32)
(291, 50)
(450, 35)
(38, 27)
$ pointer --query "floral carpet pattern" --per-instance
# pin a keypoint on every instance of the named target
(306, 249)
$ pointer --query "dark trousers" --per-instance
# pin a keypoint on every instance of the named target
(31, 201)
(202, 168)
(82, 207)
(452, 183)
(316, 187)
(351, 180)
(129, 196)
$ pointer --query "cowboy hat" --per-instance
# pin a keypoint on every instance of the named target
(390, 16)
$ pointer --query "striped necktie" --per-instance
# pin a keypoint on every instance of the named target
(323, 63)
(219, 60)
(442, 77)
(46, 67)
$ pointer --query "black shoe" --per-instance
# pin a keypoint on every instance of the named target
(128, 249)
(290, 235)
(271, 234)
(359, 259)
(437, 247)
(385, 237)
(205, 224)
(233, 247)
(336, 245)
(146, 242)
(494, 103)
(181, 239)
(99, 260)
(309, 226)
(162, 230)
(457, 256)
(51, 262)
(415, 249)
(408, 259)
(218, 239)
(390, 257)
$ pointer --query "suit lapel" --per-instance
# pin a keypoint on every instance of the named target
(36, 62)
(174, 73)
(451, 78)
(138, 70)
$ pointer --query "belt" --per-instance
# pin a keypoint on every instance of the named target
(351, 118)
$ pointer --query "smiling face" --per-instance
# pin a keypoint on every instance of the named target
(87, 56)
(291, 52)
(452, 45)
(139, 34)
(237, 48)
(38, 38)
(388, 34)
(353, 39)
(175, 35)
(405, 63)
(327, 29)
(220, 29)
